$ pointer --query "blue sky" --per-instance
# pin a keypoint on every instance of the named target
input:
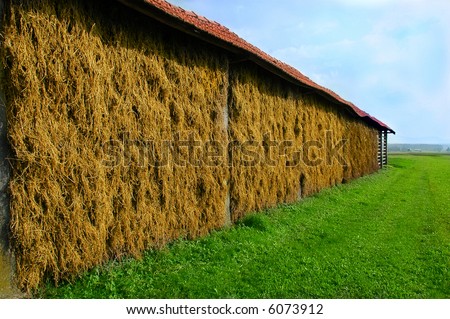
(389, 57)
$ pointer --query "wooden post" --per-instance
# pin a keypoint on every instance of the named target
(385, 158)
(4, 154)
(226, 121)
(7, 288)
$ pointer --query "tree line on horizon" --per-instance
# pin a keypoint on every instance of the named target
(399, 147)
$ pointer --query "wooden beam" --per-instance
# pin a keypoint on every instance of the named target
(385, 158)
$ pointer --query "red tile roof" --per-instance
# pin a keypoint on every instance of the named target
(211, 31)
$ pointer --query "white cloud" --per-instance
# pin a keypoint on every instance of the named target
(378, 3)
(308, 51)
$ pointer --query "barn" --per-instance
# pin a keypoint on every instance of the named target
(130, 123)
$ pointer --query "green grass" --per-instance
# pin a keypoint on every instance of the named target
(383, 236)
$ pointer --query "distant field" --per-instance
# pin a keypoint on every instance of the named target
(382, 236)
(421, 153)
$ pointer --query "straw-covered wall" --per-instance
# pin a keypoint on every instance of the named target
(290, 143)
(89, 88)
(127, 135)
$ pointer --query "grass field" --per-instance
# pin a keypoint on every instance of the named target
(382, 236)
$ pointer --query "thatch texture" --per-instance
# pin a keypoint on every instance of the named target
(90, 86)
(289, 142)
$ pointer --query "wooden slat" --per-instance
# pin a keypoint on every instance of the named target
(380, 149)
